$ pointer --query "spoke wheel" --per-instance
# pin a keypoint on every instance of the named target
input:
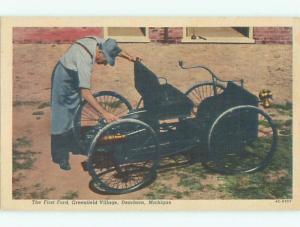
(199, 92)
(241, 140)
(86, 117)
(123, 156)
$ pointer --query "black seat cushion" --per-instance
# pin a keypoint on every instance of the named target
(161, 100)
(233, 95)
(146, 82)
(172, 102)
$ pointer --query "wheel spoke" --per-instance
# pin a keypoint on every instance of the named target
(200, 92)
(245, 145)
(132, 167)
(197, 100)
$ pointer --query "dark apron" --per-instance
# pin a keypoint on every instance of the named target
(65, 98)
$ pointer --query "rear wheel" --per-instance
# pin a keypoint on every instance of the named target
(241, 140)
(199, 92)
(123, 156)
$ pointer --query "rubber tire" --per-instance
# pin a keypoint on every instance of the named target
(152, 173)
(270, 154)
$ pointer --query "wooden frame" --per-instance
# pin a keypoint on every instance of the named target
(249, 39)
(133, 39)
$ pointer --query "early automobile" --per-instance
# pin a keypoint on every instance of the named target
(218, 118)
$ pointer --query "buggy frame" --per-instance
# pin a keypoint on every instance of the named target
(224, 126)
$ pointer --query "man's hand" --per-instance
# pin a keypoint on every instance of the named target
(109, 117)
(134, 59)
(88, 96)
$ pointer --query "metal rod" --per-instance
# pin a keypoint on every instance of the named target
(214, 76)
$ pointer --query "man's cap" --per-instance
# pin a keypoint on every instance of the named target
(110, 50)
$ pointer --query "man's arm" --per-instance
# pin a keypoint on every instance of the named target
(125, 55)
(87, 95)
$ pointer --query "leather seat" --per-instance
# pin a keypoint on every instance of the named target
(163, 100)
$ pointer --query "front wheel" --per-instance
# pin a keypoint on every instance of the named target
(123, 156)
(241, 140)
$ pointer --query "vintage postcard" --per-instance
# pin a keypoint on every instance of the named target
(149, 114)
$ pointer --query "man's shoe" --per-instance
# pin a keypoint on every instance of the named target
(64, 164)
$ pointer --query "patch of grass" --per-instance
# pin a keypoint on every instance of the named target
(284, 127)
(37, 185)
(23, 160)
(40, 192)
(150, 195)
(70, 195)
(268, 184)
(22, 142)
(19, 193)
(285, 131)
(18, 178)
(178, 195)
(272, 114)
(287, 106)
(288, 123)
(190, 182)
(166, 176)
(257, 186)
(38, 113)
(264, 123)
(283, 155)
(187, 179)
(37, 191)
(195, 170)
(282, 112)
(285, 109)
(210, 187)
(44, 105)
(279, 123)
(186, 193)
(191, 176)
(162, 191)
(25, 103)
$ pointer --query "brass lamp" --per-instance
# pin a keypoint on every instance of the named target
(265, 96)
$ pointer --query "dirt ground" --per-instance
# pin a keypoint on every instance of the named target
(261, 66)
